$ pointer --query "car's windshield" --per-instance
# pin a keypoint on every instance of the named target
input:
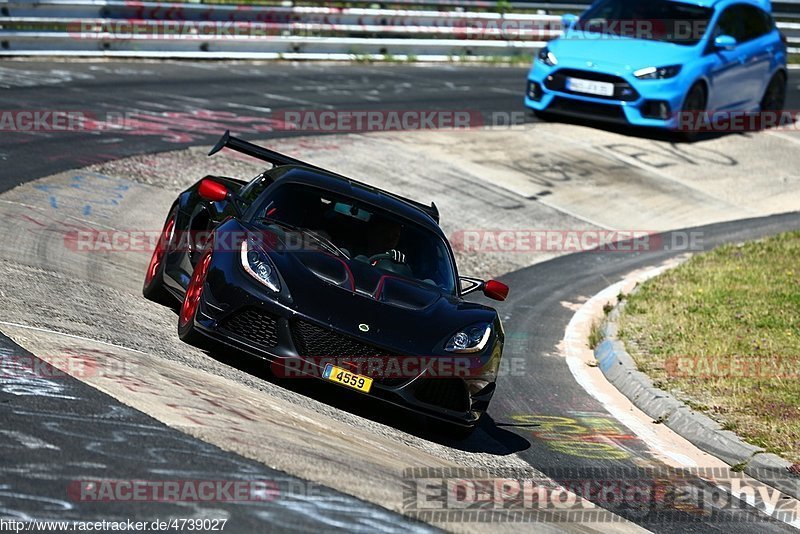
(658, 20)
(356, 231)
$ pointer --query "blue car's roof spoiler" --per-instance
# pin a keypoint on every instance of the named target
(277, 159)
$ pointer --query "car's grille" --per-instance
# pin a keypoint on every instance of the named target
(622, 89)
(254, 325)
(450, 393)
(312, 341)
(587, 109)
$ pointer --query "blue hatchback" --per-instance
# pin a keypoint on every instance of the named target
(643, 62)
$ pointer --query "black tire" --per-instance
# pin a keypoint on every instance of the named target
(695, 102)
(460, 433)
(189, 335)
(775, 95)
(191, 303)
(447, 430)
(543, 115)
(153, 288)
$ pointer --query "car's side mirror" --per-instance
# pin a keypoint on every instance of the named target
(492, 289)
(495, 290)
(213, 191)
(569, 20)
(725, 42)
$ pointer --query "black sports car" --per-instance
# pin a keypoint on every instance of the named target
(328, 277)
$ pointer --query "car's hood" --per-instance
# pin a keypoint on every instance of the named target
(616, 55)
(376, 306)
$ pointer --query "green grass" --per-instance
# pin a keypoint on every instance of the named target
(738, 304)
(595, 335)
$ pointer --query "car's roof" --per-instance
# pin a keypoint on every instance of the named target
(763, 4)
(358, 191)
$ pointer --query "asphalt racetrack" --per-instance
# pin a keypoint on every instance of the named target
(58, 432)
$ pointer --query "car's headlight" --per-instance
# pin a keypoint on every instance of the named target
(258, 264)
(657, 73)
(547, 57)
(470, 339)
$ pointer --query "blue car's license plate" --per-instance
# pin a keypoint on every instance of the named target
(590, 87)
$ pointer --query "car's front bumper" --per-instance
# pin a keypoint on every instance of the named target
(249, 320)
(649, 103)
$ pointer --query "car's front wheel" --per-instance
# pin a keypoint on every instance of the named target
(191, 303)
(775, 95)
(153, 288)
(460, 433)
(693, 105)
(447, 430)
(543, 116)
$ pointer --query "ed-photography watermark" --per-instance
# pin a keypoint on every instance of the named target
(654, 495)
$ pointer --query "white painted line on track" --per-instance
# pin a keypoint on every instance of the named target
(575, 215)
(251, 108)
(785, 137)
(73, 336)
(575, 341)
(44, 210)
(298, 101)
(661, 439)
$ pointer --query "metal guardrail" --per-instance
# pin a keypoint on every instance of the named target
(156, 29)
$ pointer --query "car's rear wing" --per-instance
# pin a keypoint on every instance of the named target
(277, 159)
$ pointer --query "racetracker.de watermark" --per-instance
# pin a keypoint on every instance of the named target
(137, 490)
(339, 121)
(733, 366)
(275, 24)
(43, 120)
(522, 240)
(399, 367)
(737, 121)
(68, 363)
(327, 121)
(473, 241)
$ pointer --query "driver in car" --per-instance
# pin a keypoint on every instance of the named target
(382, 238)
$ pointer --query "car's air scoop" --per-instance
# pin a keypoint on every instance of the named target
(329, 268)
(366, 280)
(405, 294)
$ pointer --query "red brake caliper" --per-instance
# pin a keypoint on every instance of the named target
(192, 299)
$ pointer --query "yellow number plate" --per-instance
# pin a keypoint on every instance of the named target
(345, 377)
